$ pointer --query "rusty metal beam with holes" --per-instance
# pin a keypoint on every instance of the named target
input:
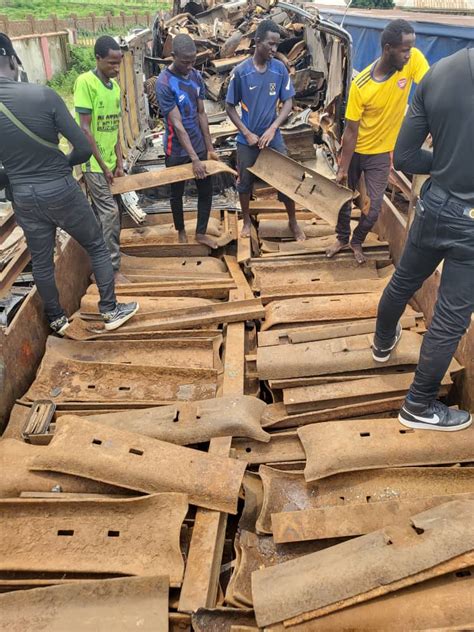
(185, 423)
(346, 446)
(283, 446)
(120, 604)
(16, 458)
(201, 579)
(139, 181)
(78, 381)
(198, 353)
(352, 520)
(412, 608)
(231, 312)
(339, 355)
(322, 309)
(279, 228)
(305, 186)
(370, 390)
(154, 240)
(428, 544)
(136, 462)
(201, 268)
(220, 619)
(106, 536)
(335, 288)
(288, 491)
(217, 289)
(319, 245)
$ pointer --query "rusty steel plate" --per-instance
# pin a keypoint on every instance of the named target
(346, 446)
(89, 308)
(203, 288)
(194, 353)
(89, 606)
(289, 492)
(321, 309)
(318, 288)
(76, 381)
(94, 536)
(306, 187)
(193, 422)
(318, 245)
(283, 446)
(350, 520)
(139, 463)
(442, 604)
(185, 318)
(195, 267)
(428, 544)
(279, 229)
(257, 552)
(339, 355)
(16, 458)
(369, 390)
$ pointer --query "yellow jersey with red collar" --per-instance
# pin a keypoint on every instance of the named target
(380, 106)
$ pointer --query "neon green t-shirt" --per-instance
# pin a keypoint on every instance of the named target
(92, 96)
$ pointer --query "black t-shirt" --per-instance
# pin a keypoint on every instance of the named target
(42, 111)
(443, 105)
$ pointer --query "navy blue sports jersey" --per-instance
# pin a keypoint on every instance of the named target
(259, 93)
(173, 90)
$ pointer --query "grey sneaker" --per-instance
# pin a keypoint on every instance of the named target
(117, 317)
(59, 325)
(383, 354)
(436, 416)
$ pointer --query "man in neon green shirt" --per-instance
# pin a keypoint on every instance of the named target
(97, 104)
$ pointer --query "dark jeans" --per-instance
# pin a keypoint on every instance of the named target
(376, 170)
(443, 229)
(246, 157)
(39, 210)
(204, 188)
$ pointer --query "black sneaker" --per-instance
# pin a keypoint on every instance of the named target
(436, 416)
(117, 317)
(60, 325)
(382, 355)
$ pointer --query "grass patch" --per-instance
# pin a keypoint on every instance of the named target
(20, 9)
(82, 60)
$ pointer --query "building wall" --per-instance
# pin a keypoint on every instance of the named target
(42, 56)
(437, 5)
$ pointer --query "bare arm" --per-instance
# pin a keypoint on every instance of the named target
(267, 137)
(204, 125)
(349, 142)
(119, 168)
(232, 113)
(176, 121)
(85, 121)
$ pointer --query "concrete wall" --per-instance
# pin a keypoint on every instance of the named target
(42, 56)
(437, 5)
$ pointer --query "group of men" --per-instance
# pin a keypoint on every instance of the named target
(45, 194)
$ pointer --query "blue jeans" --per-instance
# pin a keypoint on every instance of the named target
(443, 230)
(39, 210)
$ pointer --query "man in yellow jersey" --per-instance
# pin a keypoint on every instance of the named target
(377, 102)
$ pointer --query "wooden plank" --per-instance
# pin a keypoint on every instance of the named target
(159, 178)
(201, 578)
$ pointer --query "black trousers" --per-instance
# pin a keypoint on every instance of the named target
(39, 210)
(376, 169)
(443, 230)
(204, 188)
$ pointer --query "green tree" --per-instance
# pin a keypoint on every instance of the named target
(373, 4)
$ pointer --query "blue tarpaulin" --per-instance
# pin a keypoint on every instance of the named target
(433, 39)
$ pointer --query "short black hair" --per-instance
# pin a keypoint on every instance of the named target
(183, 44)
(103, 44)
(266, 26)
(394, 31)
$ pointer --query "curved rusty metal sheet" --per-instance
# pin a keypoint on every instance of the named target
(139, 463)
(94, 536)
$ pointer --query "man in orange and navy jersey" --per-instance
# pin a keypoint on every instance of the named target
(377, 102)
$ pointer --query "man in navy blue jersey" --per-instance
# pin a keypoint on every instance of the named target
(259, 84)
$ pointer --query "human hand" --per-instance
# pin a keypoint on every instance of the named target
(109, 176)
(341, 176)
(119, 172)
(199, 169)
(266, 138)
(212, 155)
(252, 139)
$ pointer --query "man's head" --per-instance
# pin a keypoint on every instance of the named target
(9, 61)
(267, 38)
(184, 54)
(398, 38)
(108, 56)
